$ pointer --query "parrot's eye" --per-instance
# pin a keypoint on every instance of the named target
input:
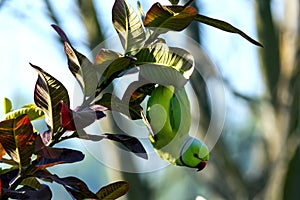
(196, 156)
(201, 166)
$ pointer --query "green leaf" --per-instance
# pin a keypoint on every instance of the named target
(80, 66)
(16, 137)
(48, 93)
(162, 75)
(33, 112)
(7, 105)
(82, 69)
(32, 182)
(225, 27)
(115, 104)
(129, 26)
(114, 69)
(161, 54)
(113, 190)
(174, 2)
(165, 18)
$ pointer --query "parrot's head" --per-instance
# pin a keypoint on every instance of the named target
(194, 154)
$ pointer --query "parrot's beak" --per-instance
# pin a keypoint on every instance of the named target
(201, 166)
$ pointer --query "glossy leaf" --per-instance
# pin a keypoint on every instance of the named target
(128, 25)
(75, 187)
(115, 104)
(165, 18)
(113, 190)
(51, 156)
(47, 95)
(160, 54)
(33, 112)
(225, 27)
(79, 65)
(114, 69)
(16, 137)
(28, 193)
(7, 105)
(131, 143)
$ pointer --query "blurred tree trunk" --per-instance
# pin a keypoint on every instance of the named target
(278, 62)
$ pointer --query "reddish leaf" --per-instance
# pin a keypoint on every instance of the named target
(77, 120)
(2, 151)
(17, 138)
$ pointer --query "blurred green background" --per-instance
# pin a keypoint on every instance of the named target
(257, 155)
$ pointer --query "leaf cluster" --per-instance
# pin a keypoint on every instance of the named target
(29, 153)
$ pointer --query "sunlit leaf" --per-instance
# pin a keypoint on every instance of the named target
(114, 69)
(160, 54)
(7, 105)
(33, 112)
(225, 27)
(104, 57)
(131, 143)
(165, 18)
(113, 190)
(51, 156)
(128, 25)
(16, 137)
(115, 104)
(79, 65)
(47, 95)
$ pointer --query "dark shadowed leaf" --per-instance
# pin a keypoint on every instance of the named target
(47, 95)
(128, 25)
(76, 187)
(131, 143)
(28, 193)
(7, 105)
(115, 104)
(225, 27)
(17, 138)
(113, 190)
(52, 156)
(166, 18)
(79, 65)
(7, 175)
(33, 112)
(160, 54)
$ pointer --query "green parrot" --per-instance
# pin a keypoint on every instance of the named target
(169, 116)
